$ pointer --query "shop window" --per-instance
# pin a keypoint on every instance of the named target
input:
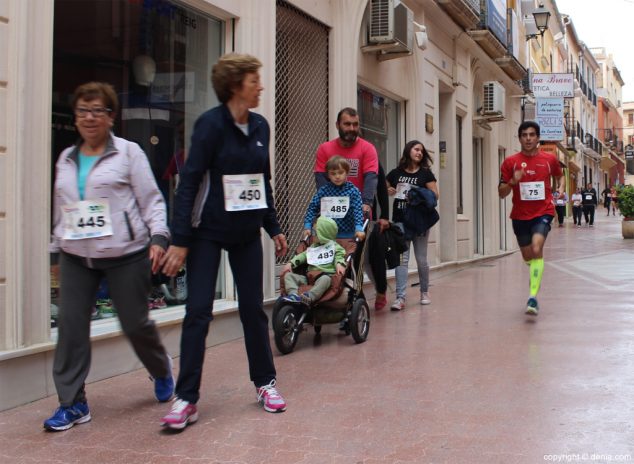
(158, 55)
(379, 119)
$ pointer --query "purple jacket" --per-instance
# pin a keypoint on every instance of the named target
(124, 177)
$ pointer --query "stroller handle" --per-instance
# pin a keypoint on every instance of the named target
(356, 239)
(365, 226)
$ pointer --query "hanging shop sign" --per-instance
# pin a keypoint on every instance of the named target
(496, 19)
(553, 85)
(549, 114)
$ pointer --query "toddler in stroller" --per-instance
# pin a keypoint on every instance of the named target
(324, 258)
(331, 288)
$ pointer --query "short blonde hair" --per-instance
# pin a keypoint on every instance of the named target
(338, 162)
(93, 90)
(229, 72)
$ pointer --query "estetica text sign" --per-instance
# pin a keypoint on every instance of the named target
(553, 85)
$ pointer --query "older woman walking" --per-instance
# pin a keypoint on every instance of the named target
(109, 221)
(223, 200)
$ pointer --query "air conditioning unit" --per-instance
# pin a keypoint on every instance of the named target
(493, 102)
(390, 28)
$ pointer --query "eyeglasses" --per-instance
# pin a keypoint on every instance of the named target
(96, 112)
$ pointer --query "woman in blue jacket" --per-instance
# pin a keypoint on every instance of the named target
(223, 200)
(413, 171)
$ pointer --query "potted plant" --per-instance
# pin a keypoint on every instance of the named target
(626, 207)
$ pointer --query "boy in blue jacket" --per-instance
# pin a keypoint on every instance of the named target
(339, 200)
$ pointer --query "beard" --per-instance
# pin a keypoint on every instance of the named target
(348, 136)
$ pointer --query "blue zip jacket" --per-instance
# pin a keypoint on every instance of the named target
(420, 213)
(353, 220)
(219, 147)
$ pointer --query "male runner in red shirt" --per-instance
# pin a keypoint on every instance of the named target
(528, 175)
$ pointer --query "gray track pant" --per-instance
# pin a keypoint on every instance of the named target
(294, 281)
(129, 284)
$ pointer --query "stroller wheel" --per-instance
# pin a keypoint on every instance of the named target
(360, 320)
(286, 329)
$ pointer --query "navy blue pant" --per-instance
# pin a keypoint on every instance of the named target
(203, 261)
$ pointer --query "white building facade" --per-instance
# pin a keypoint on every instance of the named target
(316, 60)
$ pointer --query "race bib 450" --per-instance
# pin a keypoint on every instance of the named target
(244, 192)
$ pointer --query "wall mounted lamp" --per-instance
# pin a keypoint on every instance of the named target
(541, 16)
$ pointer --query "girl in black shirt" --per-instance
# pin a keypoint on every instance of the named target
(413, 170)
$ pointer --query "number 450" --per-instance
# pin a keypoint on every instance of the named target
(249, 195)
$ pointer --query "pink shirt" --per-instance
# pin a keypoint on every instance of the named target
(362, 157)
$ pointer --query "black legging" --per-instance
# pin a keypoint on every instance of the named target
(376, 248)
(588, 214)
(561, 212)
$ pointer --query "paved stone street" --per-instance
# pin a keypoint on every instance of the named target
(468, 379)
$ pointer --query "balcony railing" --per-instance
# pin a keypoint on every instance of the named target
(466, 13)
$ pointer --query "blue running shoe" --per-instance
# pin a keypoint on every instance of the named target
(65, 417)
(532, 307)
(164, 387)
(292, 298)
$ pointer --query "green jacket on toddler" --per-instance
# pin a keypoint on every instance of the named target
(324, 253)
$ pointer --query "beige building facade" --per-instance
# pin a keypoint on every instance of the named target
(317, 58)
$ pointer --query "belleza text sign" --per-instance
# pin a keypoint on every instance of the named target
(553, 85)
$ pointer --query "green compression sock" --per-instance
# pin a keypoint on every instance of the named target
(536, 271)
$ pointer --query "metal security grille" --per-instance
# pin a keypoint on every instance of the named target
(301, 113)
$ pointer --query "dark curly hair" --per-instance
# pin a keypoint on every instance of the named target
(406, 158)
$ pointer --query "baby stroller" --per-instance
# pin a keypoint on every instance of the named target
(343, 302)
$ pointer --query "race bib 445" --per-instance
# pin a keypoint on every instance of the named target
(86, 219)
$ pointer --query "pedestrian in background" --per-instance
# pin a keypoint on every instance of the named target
(576, 206)
(614, 193)
(109, 221)
(607, 198)
(223, 200)
(589, 203)
(560, 206)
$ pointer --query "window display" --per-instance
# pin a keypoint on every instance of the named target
(158, 55)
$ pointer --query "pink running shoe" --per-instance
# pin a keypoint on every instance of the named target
(270, 399)
(182, 413)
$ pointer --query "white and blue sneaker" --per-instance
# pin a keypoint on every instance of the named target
(65, 417)
(292, 298)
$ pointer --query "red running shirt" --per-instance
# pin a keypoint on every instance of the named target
(362, 157)
(538, 168)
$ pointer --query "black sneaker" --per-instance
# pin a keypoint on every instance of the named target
(532, 307)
